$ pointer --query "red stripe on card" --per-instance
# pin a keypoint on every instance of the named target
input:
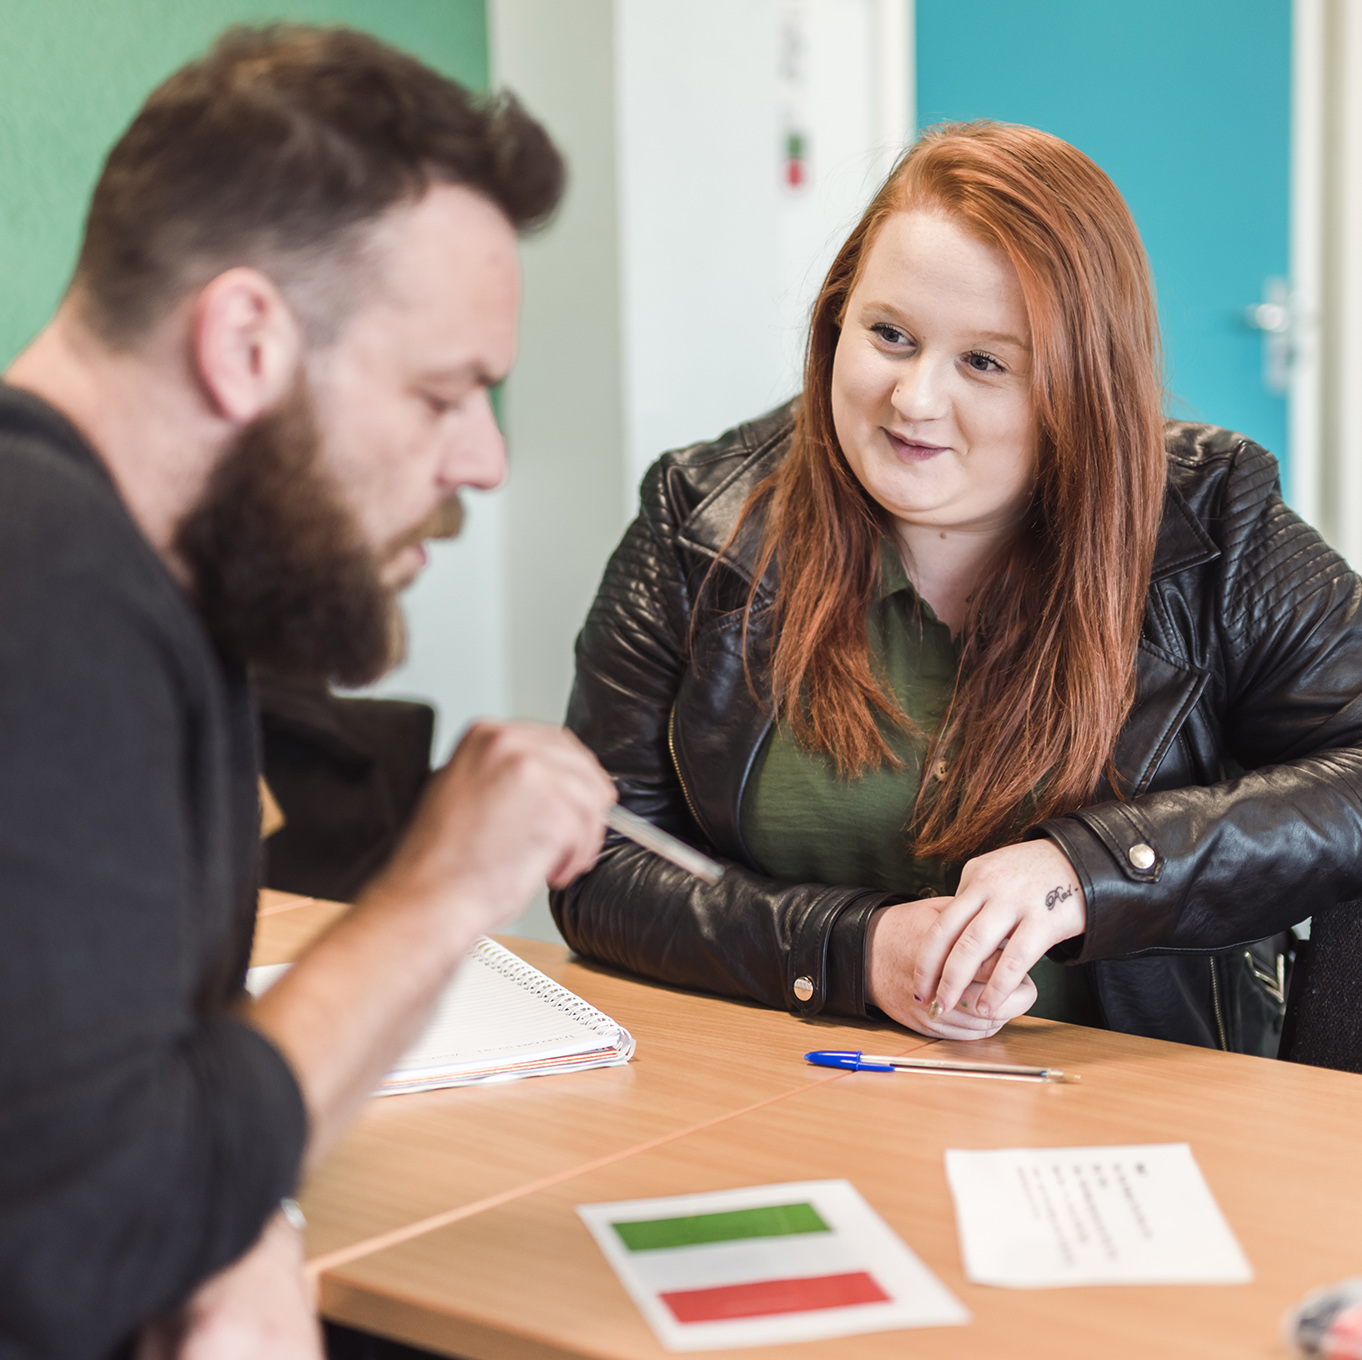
(762, 1298)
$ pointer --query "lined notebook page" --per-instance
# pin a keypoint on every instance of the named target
(499, 1018)
(499, 1007)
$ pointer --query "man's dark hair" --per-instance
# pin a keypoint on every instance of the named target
(278, 149)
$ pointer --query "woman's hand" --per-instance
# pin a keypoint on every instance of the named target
(895, 938)
(1023, 900)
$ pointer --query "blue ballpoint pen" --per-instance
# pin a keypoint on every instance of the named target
(853, 1060)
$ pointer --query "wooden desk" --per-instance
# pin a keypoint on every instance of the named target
(412, 1158)
(1279, 1145)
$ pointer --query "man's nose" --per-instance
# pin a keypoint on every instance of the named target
(477, 456)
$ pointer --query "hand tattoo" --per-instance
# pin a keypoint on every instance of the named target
(1058, 895)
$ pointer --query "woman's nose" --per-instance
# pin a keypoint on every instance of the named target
(920, 393)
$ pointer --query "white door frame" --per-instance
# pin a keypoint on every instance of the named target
(1305, 489)
(1326, 267)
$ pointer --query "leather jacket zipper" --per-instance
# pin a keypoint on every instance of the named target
(676, 765)
(1274, 984)
(1216, 1006)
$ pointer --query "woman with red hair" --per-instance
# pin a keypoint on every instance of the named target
(968, 663)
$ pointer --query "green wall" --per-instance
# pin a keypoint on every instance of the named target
(72, 74)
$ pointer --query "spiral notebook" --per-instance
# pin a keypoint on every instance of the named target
(499, 1019)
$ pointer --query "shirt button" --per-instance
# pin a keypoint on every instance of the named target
(1142, 856)
(942, 769)
(803, 988)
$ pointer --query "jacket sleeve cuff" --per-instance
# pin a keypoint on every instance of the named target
(1108, 848)
(846, 955)
(827, 965)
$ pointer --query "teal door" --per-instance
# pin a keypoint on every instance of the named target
(1186, 105)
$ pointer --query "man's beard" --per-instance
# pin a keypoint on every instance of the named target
(279, 567)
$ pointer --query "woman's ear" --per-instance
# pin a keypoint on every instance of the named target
(247, 344)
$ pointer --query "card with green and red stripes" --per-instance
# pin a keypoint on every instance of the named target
(767, 1265)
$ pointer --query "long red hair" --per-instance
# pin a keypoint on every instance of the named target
(1047, 671)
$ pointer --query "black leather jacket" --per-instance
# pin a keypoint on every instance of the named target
(1244, 751)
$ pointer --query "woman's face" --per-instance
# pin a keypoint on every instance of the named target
(931, 382)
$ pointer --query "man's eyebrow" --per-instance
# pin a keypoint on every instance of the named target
(478, 374)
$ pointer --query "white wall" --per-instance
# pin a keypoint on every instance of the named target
(563, 407)
(666, 302)
(697, 143)
(864, 46)
(456, 627)
(720, 258)
(563, 404)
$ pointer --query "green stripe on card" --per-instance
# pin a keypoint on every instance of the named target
(776, 1220)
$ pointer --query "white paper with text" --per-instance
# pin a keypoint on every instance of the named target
(1041, 1218)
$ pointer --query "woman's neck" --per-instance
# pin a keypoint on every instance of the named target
(947, 565)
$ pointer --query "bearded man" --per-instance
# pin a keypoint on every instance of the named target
(298, 282)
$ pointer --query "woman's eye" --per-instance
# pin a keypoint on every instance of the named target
(983, 363)
(891, 335)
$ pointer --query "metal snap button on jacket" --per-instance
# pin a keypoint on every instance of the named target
(803, 988)
(1141, 856)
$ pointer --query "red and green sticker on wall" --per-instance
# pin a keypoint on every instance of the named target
(796, 159)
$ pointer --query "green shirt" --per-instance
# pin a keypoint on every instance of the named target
(803, 823)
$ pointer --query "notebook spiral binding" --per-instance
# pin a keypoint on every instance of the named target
(502, 961)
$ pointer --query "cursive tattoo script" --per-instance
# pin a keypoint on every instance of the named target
(1057, 895)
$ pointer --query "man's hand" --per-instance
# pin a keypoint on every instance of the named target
(893, 947)
(518, 804)
(260, 1308)
(1021, 900)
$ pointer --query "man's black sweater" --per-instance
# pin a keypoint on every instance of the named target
(146, 1133)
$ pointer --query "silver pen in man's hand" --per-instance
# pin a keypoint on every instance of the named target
(662, 843)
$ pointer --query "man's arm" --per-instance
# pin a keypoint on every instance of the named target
(259, 1308)
(145, 1133)
(517, 804)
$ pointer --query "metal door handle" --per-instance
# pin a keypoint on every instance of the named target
(1275, 318)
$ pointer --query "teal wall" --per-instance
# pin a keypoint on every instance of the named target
(72, 74)
(1186, 104)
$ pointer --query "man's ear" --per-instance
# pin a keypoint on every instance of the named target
(247, 343)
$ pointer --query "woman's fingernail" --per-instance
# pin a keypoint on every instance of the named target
(934, 1011)
(980, 1008)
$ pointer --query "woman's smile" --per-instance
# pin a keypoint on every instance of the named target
(913, 450)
